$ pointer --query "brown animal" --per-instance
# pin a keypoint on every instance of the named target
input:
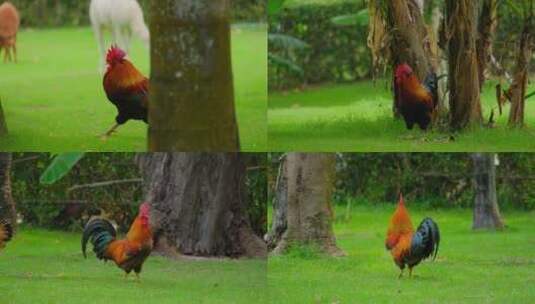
(9, 26)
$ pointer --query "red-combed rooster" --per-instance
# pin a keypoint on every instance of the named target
(126, 88)
(129, 253)
(6, 233)
(414, 100)
(408, 247)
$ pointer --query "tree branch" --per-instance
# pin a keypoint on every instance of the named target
(106, 183)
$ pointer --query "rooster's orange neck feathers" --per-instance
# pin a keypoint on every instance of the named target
(400, 224)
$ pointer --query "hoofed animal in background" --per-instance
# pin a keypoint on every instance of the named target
(415, 101)
(126, 88)
(6, 233)
(9, 27)
(123, 18)
(129, 253)
(408, 247)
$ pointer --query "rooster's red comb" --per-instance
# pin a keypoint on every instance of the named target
(144, 208)
(403, 69)
(115, 54)
(401, 200)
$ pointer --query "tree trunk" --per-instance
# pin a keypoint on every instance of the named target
(488, 22)
(7, 204)
(192, 92)
(517, 91)
(280, 207)
(465, 103)
(310, 182)
(3, 124)
(409, 35)
(199, 205)
(486, 210)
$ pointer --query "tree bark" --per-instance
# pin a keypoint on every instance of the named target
(488, 22)
(192, 93)
(7, 204)
(199, 205)
(463, 80)
(517, 91)
(409, 36)
(310, 182)
(486, 210)
(3, 124)
(280, 207)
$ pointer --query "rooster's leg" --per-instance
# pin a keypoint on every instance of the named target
(138, 277)
(401, 274)
(126, 275)
(110, 132)
(410, 272)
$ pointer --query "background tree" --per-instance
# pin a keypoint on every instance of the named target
(279, 222)
(463, 75)
(517, 91)
(200, 203)
(3, 124)
(310, 178)
(7, 204)
(486, 210)
(192, 92)
(488, 23)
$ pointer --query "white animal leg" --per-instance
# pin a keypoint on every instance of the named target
(98, 29)
(118, 36)
(127, 39)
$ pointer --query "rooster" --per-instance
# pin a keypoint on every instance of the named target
(126, 88)
(6, 233)
(408, 247)
(415, 101)
(129, 253)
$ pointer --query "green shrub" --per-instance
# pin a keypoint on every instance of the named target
(60, 206)
(336, 53)
(428, 179)
(55, 206)
(47, 13)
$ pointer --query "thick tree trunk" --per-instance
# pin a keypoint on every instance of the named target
(7, 204)
(280, 207)
(486, 210)
(309, 218)
(199, 204)
(488, 22)
(3, 124)
(465, 103)
(192, 92)
(517, 91)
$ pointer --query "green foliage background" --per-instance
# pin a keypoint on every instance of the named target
(335, 54)
(46, 13)
(426, 179)
(54, 206)
(340, 53)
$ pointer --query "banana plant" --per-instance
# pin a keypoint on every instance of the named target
(361, 18)
(60, 166)
(283, 42)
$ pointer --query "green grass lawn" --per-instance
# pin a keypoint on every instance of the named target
(358, 117)
(54, 100)
(471, 267)
(40, 266)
